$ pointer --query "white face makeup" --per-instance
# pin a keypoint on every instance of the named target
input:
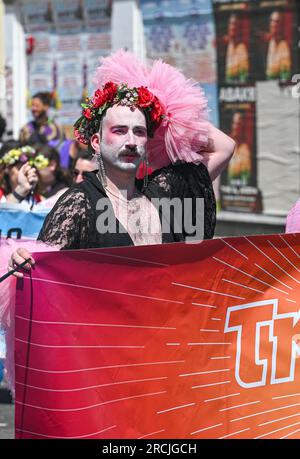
(123, 139)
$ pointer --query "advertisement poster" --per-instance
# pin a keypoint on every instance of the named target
(37, 15)
(64, 56)
(275, 43)
(183, 35)
(96, 45)
(166, 8)
(169, 350)
(41, 66)
(257, 43)
(238, 119)
(237, 105)
(41, 75)
(69, 16)
(97, 15)
(69, 78)
(186, 42)
(233, 42)
(64, 17)
(278, 138)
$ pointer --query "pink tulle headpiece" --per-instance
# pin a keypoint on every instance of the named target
(183, 131)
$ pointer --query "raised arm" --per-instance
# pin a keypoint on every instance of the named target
(218, 153)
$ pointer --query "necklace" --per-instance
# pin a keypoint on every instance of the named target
(142, 212)
(121, 198)
(135, 195)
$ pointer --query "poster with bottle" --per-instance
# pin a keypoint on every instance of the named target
(238, 120)
(233, 35)
(275, 40)
(258, 42)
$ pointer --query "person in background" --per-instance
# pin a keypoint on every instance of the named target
(54, 181)
(32, 174)
(64, 147)
(18, 167)
(84, 162)
(69, 150)
(76, 149)
(5, 147)
(41, 129)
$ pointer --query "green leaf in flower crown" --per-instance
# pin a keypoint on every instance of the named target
(103, 108)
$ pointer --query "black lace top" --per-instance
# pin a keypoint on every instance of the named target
(71, 223)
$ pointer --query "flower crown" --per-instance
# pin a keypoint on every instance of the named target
(113, 94)
(23, 155)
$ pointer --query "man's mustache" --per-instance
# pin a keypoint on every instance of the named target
(131, 152)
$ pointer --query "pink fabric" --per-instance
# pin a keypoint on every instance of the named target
(8, 294)
(293, 219)
(184, 131)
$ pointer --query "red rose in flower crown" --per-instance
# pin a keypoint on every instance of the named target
(99, 98)
(156, 112)
(145, 97)
(81, 138)
(88, 113)
(110, 91)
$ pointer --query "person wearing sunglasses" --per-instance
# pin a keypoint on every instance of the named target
(83, 162)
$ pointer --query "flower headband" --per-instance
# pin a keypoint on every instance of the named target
(183, 132)
(112, 94)
(24, 155)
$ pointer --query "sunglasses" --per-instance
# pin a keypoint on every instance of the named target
(75, 173)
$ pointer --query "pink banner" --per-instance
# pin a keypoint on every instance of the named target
(173, 341)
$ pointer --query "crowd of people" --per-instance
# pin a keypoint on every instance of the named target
(42, 163)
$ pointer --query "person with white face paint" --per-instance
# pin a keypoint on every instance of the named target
(157, 119)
